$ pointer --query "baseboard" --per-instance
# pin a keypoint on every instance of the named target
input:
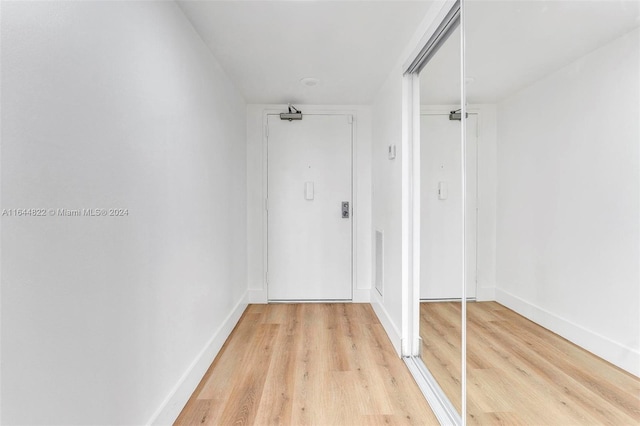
(485, 294)
(361, 296)
(258, 296)
(387, 324)
(170, 408)
(616, 353)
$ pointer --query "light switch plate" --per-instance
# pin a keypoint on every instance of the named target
(308, 191)
(392, 152)
(443, 191)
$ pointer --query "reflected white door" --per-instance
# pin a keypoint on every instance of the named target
(309, 179)
(441, 207)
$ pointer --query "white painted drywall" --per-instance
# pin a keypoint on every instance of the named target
(568, 202)
(256, 189)
(115, 105)
(386, 202)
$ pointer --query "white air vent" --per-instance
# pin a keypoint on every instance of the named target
(379, 261)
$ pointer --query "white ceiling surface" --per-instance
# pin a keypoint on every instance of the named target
(511, 44)
(267, 47)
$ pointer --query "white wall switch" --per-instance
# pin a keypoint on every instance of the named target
(443, 191)
(308, 191)
(392, 152)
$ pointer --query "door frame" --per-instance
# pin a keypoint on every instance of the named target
(445, 110)
(265, 190)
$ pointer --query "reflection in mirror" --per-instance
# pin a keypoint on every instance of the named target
(554, 336)
(441, 218)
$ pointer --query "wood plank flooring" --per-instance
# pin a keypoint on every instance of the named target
(441, 342)
(521, 373)
(307, 364)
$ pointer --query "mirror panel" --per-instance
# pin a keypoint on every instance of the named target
(441, 218)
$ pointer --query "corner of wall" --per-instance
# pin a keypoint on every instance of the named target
(361, 296)
(257, 296)
(485, 294)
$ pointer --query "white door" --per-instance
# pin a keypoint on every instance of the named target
(309, 179)
(441, 207)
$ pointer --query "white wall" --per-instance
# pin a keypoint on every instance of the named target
(257, 187)
(386, 202)
(113, 320)
(568, 202)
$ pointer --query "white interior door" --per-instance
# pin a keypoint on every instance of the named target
(441, 207)
(309, 179)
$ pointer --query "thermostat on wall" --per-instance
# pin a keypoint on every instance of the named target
(392, 152)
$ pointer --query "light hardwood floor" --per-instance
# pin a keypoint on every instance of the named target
(302, 364)
(521, 373)
(441, 342)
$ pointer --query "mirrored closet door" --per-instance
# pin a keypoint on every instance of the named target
(441, 217)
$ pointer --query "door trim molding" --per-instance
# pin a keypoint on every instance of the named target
(356, 294)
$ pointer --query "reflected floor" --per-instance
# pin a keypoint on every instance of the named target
(521, 373)
(441, 341)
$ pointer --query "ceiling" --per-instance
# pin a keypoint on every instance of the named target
(511, 44)
(267, 47)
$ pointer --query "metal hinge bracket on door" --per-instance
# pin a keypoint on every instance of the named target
(350, 119)
(266, 277)
(266, 204)
(266, 131)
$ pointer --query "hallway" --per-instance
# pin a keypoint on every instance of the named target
(307, 364)
(176, 175)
